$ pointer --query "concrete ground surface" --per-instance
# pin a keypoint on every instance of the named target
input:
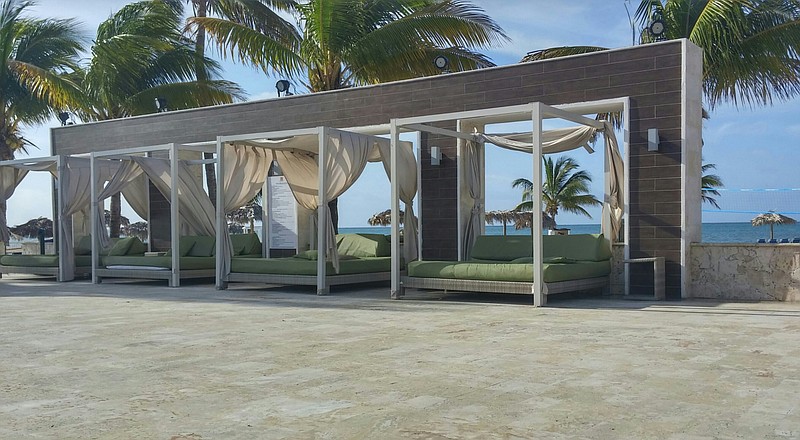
(143, 361)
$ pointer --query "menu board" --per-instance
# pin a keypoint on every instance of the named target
(282, 214)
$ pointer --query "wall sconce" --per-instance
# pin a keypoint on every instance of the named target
(436, 156)
(652, 139)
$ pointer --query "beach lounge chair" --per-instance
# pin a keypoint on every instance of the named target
(762, 240)
(773, 240)
(784, 240)
(796, 240)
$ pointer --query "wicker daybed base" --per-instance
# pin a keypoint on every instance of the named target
(43, 271)
(153, 274)
(309, 280)
(518, 288)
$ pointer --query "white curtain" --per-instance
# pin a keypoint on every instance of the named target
(127, 174)
(195, 208)
(407, 185)
(472, 156)
(345, 158)
(137, 194)
(75, 184)
(246, 169)
(553, 141)
(614, 193)
(10, 178)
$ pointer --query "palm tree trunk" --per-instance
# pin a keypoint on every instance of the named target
(115, 217)
(201, 10)
(333, 205)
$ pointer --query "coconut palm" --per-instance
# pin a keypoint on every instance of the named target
(138, 230)
(751, 47)
(772, 218)
(710, 184)
(36, 56)
(564, 188)
(139, 55)
(346, 43)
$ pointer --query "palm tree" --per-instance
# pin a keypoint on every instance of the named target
(37, 54)
(139, 55)
(564, 188)
(255, 15)
(710, 184)
(751, 47)
(346, 43)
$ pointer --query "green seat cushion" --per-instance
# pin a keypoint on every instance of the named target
(581, 247)
(185, 245)
(187, 263)
(127, 246)
(502, 248)
(515, 272)
(245, 244)
(298, 266)
(203, 246)
(363, 245)
(83, 245)
(29, 260)
(83, 261)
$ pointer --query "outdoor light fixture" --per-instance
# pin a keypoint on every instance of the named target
(442, 63)
(436, 156)
(161, 104)
(64, 118)
(283, 87)
(652, 139)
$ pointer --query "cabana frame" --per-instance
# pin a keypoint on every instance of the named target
(60, 271)
(535, 112)
(175, 274)
(321, 280)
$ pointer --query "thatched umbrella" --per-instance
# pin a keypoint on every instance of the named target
(384, 218)
(31, 227)
(525, 220)
(138, 229)
(505, 217)
(772, 218)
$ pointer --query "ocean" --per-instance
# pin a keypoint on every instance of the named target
(712, 232)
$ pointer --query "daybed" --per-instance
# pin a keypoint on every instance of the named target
(362, 258)
(48, 264)
(197, 259)
(504, 264)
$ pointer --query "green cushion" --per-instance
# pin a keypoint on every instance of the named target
(185, 245)
(83, 245)
(363, 245)
(122, 246)
(308, 255)
(299, 266)
(245, 244)
(29, 260)
(518, 272)
(137, 248)
(203, 246)
(581, 247)
(502, 248)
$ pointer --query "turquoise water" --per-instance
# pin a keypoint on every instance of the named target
(712, 232)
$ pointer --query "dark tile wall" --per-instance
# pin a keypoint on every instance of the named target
(650, 75)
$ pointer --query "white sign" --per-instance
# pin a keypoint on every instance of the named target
(282, 214)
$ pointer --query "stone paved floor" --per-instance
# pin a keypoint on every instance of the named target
(140, 360)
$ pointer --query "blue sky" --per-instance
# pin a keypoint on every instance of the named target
(752, 148)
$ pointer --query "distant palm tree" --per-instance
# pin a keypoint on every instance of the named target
(564, 188)
(139, 55)
(751, 48)
(710, 183)
(346, 43)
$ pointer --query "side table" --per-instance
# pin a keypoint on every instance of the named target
(658, 274)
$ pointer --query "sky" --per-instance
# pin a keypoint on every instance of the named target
(752, 148)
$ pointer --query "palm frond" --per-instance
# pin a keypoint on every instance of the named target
(558, 52)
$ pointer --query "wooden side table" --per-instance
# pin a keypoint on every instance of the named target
(658, 274)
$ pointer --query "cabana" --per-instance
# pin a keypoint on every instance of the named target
(319, 164)
(71, 177)
(191, 213)
(491, 273)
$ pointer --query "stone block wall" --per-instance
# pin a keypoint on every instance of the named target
(753, 272)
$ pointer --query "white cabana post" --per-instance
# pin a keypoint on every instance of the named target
(538, 142)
